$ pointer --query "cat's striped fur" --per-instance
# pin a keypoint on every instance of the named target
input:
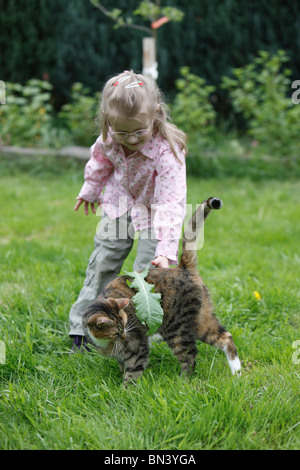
(111, 325)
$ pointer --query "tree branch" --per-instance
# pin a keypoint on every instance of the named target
(122, 24)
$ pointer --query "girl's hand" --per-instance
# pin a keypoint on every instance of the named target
(86, 206)
(161, 262)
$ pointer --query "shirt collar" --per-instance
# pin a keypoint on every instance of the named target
(146, 150)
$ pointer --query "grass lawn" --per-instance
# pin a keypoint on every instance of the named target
(50, 399)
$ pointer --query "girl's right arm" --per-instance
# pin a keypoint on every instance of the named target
(96, 173)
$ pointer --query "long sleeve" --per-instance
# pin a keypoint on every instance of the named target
(169, 204)
(96, 173)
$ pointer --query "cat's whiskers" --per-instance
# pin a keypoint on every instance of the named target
(129, 327)
(116, 351)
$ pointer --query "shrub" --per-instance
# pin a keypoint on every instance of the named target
(192, 111)
(260, 92)
(77, 116)
(26, 118)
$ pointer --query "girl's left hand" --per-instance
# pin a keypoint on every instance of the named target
(161, 262)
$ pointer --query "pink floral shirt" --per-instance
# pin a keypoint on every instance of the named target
(151, 182)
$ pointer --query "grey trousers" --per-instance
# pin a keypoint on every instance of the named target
(112, 244)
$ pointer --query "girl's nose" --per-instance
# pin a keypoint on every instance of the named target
(132, 139)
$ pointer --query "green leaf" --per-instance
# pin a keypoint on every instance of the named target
(146, 301)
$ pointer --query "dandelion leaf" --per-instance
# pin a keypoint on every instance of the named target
(146, 301)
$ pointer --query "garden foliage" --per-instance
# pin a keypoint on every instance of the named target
(28, 118)
(260, 95)
(27, 115)
(261, 92)
(73, 41)
(192, 110)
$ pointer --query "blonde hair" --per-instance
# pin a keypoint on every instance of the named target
(128, 95)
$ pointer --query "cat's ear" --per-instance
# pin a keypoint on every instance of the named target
(122, 302)
(101, 320)
(98, 320)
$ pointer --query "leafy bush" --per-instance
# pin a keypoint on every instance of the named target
(260, 92)
(77, 116)
(192, 111)
(26, 118)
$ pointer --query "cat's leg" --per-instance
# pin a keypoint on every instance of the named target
(233, 359)
(210, 331)
(183, 346)
(135, 359)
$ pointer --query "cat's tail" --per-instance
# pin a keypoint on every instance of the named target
(193, 230)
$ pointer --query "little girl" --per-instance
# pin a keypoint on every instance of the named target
(139, 159)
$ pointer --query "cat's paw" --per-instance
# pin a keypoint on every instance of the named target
(235, 366)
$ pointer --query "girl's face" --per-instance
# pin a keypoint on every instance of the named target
(132, 133)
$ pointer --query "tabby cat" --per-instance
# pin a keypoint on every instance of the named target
(111, 325)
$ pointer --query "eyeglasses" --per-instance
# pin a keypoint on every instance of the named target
(124, 135)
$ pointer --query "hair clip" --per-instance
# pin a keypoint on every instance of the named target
(134, 84)
(121, 80)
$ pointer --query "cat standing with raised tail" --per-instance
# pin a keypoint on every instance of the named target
(111, 325)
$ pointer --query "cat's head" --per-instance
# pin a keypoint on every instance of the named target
(105, 319)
